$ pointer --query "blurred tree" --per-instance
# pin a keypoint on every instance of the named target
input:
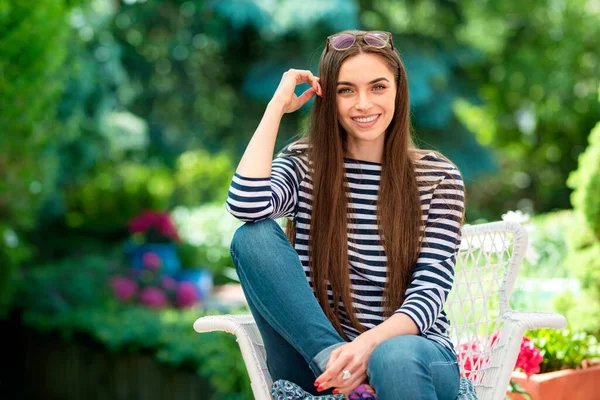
(534, 66)
(538, 86)
(33, 37)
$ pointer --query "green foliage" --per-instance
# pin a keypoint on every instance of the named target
(583, 238)
(72, 297)
(32, 48)
(584, 259)
(105, 201)
(564, 348)
(586, 180)
(538, 83)
(67, 284)
(201, 178)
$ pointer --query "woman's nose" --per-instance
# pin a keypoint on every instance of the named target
(363, 102)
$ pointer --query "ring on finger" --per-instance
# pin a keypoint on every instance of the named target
(346, 375)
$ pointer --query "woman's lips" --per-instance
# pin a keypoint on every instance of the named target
(366, 121)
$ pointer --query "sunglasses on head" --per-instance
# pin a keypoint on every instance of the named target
(343, 41)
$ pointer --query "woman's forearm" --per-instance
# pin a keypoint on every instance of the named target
(396, 325)
(257, 158)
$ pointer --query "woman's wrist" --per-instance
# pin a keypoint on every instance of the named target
(276, 107)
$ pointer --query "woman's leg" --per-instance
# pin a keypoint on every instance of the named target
(282, 302)
(283, 361)
(413, 368)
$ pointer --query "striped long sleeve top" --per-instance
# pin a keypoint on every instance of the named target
(287, 194)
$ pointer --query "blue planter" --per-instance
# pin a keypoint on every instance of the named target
(166, 251)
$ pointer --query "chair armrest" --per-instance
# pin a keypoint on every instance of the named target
(251, 345)
(516, 323)
(536, 320)
(227, 323)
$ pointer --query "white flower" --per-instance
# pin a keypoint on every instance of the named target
(516, 216)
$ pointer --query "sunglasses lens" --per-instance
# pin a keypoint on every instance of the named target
(342, 42)
(377, 39)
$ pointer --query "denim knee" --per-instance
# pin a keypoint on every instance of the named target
(413, 367)
(252, 238)
(399, 357)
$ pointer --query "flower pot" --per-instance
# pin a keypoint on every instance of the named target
(166, 251)
(568, 384)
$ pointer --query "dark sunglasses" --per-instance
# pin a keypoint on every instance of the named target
(343, 41)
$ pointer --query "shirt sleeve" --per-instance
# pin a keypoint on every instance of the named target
(255, 199)
(433, 274)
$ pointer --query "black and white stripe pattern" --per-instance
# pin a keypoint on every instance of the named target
(287, 194)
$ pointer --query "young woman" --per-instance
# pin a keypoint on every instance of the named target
(354, 294)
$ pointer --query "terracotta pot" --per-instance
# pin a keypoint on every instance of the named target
(568, 384)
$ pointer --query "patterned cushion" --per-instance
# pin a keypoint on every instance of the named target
(466, 391)
(285, 390)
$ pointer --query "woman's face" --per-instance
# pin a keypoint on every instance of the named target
(366, 96)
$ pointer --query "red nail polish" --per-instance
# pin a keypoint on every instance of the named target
(317, 383)
(335, 391)
(319, 389)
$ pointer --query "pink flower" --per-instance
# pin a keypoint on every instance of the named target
(124, 288)
(467, 355)
(153, 297)
(530, 357)
(151, 261)
(168, 283)
(186, 294)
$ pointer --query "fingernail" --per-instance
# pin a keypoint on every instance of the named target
(317, 383)
(335, 391)
(320, 388)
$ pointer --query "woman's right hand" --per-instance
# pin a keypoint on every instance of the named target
(285, 96)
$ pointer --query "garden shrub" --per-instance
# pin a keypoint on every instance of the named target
(583, 238)
(586, 180)
(105, 201)
(33, 37)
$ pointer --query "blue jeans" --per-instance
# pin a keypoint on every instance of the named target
(298, 336)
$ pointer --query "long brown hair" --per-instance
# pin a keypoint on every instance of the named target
(398, 204)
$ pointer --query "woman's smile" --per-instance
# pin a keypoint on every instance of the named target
(366, 121)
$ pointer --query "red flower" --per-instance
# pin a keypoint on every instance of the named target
(153, 297)
(530, 357)
(469, 355)
(154, 222)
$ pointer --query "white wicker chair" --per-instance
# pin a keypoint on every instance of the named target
(486, 270)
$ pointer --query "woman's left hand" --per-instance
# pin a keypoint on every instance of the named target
(353, 357)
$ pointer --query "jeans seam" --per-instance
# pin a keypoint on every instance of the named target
(442, 363)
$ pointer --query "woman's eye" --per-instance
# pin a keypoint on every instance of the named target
(344, 91)
(379, 87)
